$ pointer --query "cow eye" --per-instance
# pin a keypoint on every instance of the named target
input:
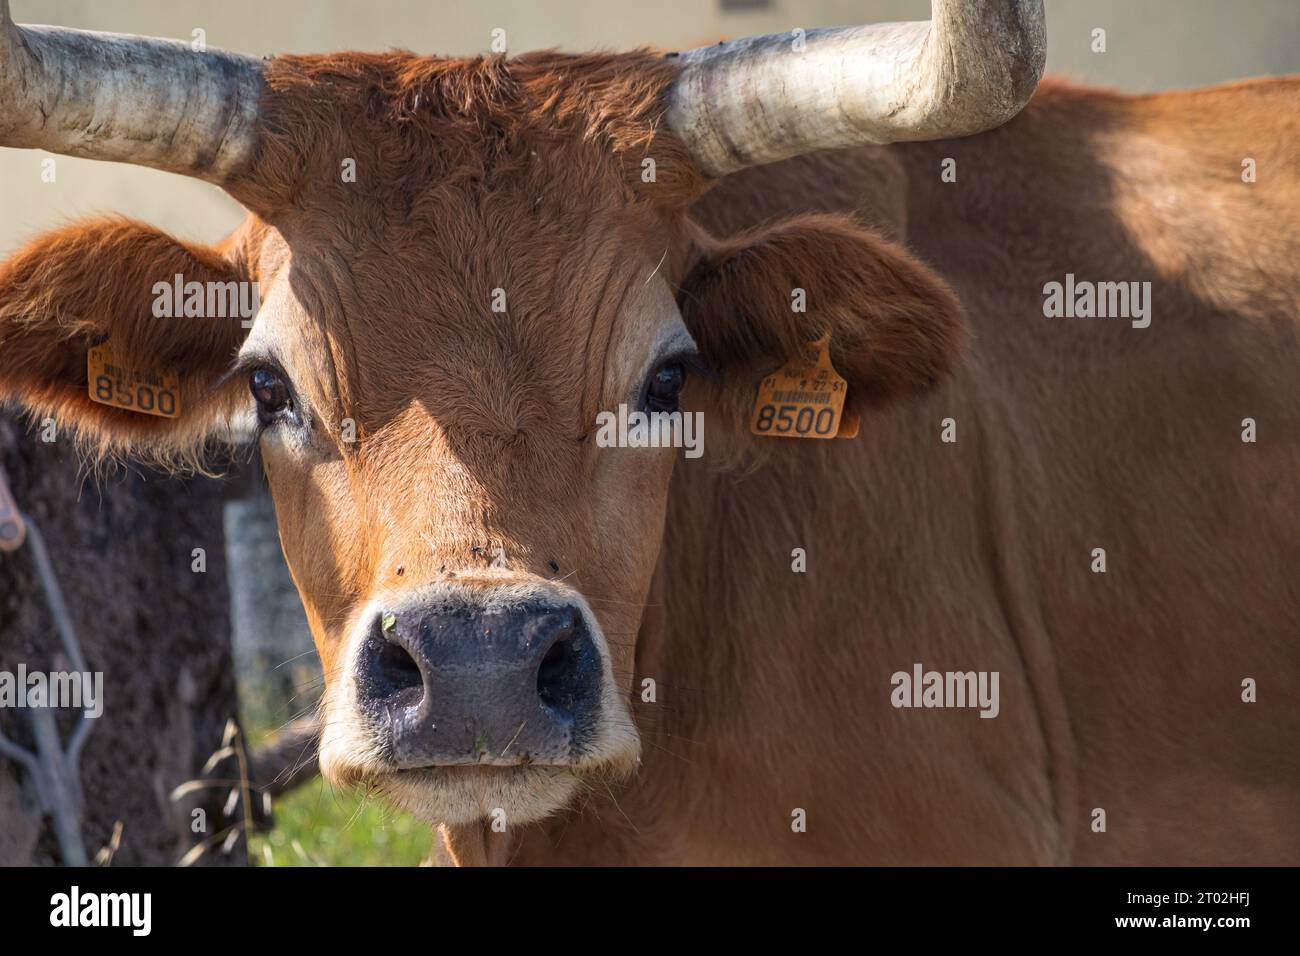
(271, 392)
(665, 387)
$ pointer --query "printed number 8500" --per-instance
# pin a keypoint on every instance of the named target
(783, 419)
(145, 398)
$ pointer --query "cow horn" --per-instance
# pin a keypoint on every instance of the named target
(127, 99)
(970, 68)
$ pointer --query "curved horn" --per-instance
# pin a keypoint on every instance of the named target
(970, 68)
(127, 99)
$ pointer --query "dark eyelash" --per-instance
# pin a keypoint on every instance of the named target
(241, 367)
(694, 364)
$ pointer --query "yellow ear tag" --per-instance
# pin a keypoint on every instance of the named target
(803, 400)
(147, 391)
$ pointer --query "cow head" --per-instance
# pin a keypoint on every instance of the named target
(460, 264)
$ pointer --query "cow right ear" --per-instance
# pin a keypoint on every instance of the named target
(96, 284)
(755, 301)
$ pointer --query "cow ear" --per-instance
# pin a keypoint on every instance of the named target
(757, 300)
(99, 283)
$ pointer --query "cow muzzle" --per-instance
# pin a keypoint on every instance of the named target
(461, 682)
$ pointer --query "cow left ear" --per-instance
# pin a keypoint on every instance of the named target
(89, 292)
(759, 299)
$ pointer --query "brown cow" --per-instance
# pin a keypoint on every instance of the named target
(520, 625)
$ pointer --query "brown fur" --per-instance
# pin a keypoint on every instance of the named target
(1118, 691)
(895, 328)
(90, 282)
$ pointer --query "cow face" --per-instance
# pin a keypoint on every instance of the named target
(461, 264)
(472, 561)
(450, 301)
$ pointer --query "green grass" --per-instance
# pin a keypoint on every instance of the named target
(319, 826)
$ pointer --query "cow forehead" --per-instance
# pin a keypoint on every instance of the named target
(399, 117)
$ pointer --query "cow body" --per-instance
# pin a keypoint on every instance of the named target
(1120, 690)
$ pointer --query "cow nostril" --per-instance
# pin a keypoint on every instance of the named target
(397, 673)
(556, 685)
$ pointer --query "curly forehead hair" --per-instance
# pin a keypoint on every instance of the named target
(473, 122)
